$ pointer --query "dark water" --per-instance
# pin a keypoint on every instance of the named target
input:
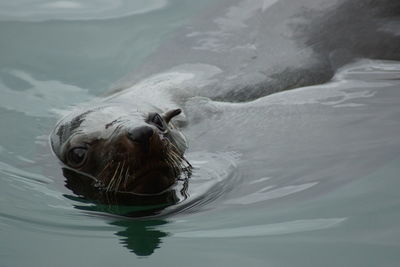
(303, 177)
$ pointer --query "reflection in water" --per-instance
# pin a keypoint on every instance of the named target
(214, 174)
(140, 237)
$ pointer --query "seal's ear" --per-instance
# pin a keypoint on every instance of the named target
(170, 114)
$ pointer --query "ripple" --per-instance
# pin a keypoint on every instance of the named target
(290, 227)
(43, 10)
(265, 193)
(215, 174)
(350, 84)
(260, 180)
(41, 98)
(30, 202)
(63, 4)
(21, 175)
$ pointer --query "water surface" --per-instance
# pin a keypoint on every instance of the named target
(303, 177)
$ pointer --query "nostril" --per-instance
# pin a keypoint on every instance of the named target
(141, 135)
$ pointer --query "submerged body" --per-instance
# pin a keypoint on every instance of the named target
(222, 55)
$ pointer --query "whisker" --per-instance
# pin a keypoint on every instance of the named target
(126, 177)
(112, 181)
(120, 177)
(178, 162)
(100, 173)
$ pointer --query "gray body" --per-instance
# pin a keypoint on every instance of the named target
(241, 50)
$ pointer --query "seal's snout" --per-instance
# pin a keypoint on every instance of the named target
(141, 135)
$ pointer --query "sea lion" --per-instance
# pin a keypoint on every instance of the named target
(126, 146)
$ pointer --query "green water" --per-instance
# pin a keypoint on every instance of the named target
(316, 171)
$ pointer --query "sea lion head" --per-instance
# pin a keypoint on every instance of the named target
(122, 148)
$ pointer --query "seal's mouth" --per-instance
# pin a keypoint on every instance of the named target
(162, 168)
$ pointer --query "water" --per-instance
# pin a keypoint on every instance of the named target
(304, 177)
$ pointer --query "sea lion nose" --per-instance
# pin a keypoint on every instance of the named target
(141, 135)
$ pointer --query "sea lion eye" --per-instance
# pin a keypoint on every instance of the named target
(158, 121)
(77, 156)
